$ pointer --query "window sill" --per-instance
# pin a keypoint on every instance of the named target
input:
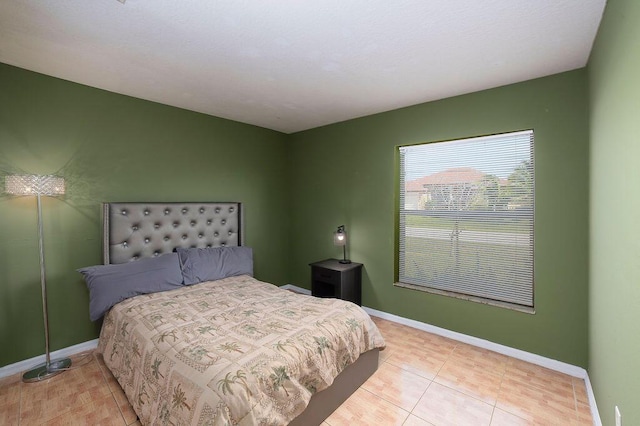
(475, 299)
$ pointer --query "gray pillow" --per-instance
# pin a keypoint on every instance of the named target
(110, 284)
(214, 263)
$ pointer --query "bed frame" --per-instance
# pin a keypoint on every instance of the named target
(133, 231)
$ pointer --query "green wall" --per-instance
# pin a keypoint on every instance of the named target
(614, 309)
(345, 174)
(296, 188)
(116, 148)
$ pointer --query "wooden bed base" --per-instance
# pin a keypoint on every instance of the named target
(325, 402)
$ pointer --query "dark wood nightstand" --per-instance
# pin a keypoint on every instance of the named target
(330, 278)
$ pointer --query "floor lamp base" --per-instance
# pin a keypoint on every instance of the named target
(44, 371)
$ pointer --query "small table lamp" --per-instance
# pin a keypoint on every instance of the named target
(38, 186)
(340, 239)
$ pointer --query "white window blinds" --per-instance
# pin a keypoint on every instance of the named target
(466, 217)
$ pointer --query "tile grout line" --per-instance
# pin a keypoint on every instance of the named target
(106, 382)
(450, 388)
(423, 392)
(495, 404)
(519, 384)
(502, 376)
(575, 398)
(535, 388)
(20, 403)
(421, 396)
(383, 398)
(395, 405)
(416, 404)
(456, 390)
(448, 357)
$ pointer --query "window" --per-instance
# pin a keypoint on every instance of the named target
(465, 223)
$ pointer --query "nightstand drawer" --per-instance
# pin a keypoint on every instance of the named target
(325, 275)
(330, 278)
(322, 289)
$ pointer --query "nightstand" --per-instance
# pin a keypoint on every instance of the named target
(330, 278)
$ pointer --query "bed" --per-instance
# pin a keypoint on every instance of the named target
(229, 350)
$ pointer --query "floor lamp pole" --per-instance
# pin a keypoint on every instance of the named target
(43, 283)
(49, 368)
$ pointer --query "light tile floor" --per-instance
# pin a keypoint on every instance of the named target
(423, 379)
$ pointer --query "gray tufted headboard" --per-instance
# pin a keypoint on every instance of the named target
(138, 230)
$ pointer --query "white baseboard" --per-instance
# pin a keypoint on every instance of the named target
(552, 364)
(542, 361)
(296, 289)
(18, 367)
(592, 402)
(549, 363)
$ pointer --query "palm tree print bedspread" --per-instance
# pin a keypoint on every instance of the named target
(236, 351)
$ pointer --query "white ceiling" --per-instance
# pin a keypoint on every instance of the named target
(291, 65)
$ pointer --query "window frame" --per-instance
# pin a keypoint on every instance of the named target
(397, 229)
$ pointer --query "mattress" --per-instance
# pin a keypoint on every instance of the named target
(232, 351)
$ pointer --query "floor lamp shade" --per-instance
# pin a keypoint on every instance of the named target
(34, 184)
(38, 186)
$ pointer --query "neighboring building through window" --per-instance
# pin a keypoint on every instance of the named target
(466, 218)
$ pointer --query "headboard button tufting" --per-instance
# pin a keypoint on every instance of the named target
(140, 230)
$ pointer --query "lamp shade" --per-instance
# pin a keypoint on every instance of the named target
(340, 236)
(34, 184)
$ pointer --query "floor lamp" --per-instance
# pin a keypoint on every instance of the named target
(39, 186)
